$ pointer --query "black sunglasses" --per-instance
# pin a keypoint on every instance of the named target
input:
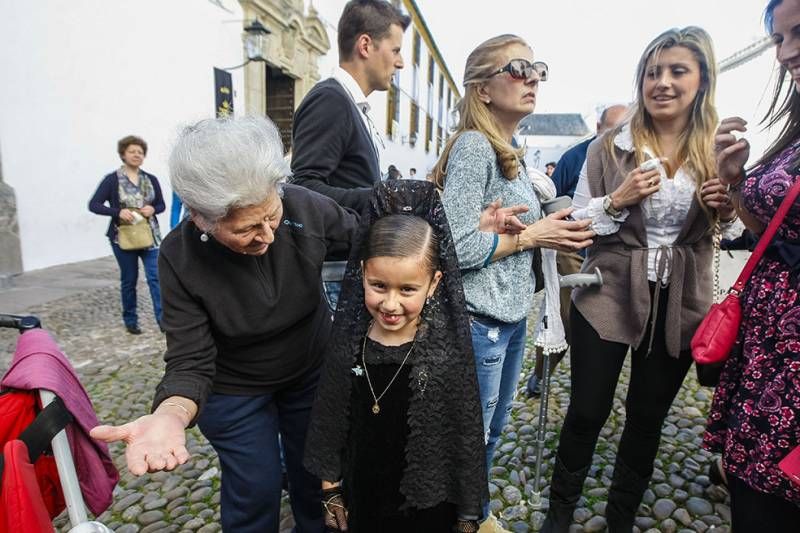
(522, 69)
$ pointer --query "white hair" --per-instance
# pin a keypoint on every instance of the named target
(221, 164)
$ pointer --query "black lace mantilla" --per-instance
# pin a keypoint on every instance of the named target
(445, 451)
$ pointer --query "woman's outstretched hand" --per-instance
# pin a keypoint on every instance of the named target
(498, 219)
(553, 231)
(152, 442)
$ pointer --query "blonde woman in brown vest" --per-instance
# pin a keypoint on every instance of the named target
(648, 185)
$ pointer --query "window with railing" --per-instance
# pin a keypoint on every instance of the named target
(393, 106)
(430, 86)
(440, 105)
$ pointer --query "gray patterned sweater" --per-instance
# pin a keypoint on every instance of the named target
(501, 289)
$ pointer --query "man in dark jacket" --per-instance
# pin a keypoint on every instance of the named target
(335, 142)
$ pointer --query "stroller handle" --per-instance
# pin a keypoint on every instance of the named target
(22, 323)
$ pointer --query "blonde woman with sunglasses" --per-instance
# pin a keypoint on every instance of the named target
(481, 164)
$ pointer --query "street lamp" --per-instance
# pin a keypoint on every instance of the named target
(255, 36)
(254, 40)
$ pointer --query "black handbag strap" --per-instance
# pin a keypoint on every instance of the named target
(40, 432)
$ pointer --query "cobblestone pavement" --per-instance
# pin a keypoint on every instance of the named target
(120, 372)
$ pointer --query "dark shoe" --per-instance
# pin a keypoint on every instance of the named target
(134, 330)
(624, 497)
(534, 387)
(716, 474)
(565, 490)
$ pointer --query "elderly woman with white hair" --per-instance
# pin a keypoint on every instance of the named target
(246, 322)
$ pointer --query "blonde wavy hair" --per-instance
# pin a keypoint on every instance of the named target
(696, 143)
(475, 115)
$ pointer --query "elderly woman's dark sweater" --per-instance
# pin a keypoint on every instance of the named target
(249, 325)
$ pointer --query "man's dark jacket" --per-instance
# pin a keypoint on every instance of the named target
(332, 152)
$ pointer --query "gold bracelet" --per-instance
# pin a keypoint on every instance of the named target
(179, 406)
(519, 245)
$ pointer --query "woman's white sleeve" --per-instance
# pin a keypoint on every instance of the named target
(588, 207)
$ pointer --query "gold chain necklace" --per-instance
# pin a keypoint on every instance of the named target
(375, 407)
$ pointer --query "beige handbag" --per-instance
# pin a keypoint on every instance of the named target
(136, 236)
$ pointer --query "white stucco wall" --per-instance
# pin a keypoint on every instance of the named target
(80, 74)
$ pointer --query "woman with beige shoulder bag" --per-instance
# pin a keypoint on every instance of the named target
(132, 198)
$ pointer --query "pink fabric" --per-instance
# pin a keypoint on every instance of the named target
(39, 364)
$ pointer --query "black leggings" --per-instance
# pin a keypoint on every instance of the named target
(595, 367)
(754, 511)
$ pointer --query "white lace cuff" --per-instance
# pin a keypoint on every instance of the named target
(602, 222)
(732, 229)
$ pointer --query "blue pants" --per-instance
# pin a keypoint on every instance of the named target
(244, 432)
(128, 261)
(499, 348)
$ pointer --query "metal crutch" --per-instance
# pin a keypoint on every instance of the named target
(571, 280)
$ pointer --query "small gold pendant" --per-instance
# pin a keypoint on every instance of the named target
(376, 409)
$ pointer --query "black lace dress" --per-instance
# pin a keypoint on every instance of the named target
(374, 457)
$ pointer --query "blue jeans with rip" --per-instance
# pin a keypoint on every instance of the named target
(499, 348)
(128, 261)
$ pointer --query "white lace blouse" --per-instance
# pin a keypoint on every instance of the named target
(664, 211)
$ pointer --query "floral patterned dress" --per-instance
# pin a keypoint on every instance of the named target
(755, 415)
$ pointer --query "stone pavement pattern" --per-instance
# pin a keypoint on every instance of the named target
(120, 372)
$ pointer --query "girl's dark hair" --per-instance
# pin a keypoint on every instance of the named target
(403, 236)
(785, 102)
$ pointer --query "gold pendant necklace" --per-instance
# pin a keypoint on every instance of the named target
(376, 408)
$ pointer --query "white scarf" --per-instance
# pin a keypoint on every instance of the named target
(552, 339)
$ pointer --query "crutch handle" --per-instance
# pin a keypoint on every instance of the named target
(582, 279)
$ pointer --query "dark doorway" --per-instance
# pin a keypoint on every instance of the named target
(280, 103)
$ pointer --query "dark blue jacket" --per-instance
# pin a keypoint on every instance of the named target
(568, 169)
(108, 192)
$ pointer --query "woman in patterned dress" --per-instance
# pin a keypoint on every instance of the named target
(755, 416)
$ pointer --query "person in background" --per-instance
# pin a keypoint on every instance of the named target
(654, 223)
(123, 195)
(755, 415)
(549, 168)
(393, 173)
(565, 178)
(176, 211)
(569, 166)
(480, 165)
(412, 173)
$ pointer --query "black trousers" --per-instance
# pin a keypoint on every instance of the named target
(595, 369)
(753, 511)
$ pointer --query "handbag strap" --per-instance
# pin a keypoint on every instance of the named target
(766, 238)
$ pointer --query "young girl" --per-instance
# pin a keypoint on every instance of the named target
(396, 433)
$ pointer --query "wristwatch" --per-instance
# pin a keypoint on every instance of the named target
(608, 207)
